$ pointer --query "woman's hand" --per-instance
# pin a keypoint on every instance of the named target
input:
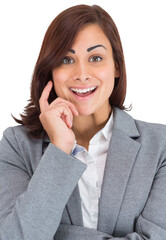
(57, 119)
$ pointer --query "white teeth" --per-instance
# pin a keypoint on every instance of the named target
(82, 90)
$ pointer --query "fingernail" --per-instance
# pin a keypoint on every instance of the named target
(77, 112)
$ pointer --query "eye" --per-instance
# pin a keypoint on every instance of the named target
(68, 60)
(95, 59)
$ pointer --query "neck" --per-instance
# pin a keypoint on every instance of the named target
(85, 127)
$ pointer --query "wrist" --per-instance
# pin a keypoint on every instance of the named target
(66, 147)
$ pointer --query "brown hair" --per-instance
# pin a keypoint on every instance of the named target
(58, 40)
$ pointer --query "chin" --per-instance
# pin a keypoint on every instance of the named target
(85, 112)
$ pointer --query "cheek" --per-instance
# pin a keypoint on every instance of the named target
(58, 77)
(107, 81)
(58, 82)
(107, 77)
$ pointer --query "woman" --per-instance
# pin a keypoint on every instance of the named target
(78, 166)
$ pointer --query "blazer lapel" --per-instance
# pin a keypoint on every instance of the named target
(121, 155)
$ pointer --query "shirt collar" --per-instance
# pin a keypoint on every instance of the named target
(107, 129)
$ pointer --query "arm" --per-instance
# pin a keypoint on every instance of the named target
(32, 208)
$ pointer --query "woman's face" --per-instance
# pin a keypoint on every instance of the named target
(86, 75)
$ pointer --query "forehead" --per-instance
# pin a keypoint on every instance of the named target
(90, 35)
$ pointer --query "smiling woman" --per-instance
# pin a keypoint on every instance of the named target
(78, 166)
(54, 58)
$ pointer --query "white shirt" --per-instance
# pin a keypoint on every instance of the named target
(91, 180)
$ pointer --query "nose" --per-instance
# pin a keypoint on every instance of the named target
(82, 72)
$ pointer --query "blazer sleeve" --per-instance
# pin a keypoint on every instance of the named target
(31, 208)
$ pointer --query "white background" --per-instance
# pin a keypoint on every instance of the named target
(142, 27)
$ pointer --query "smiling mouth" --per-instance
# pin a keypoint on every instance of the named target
(83, 92)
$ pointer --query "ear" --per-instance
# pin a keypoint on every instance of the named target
(116, 70)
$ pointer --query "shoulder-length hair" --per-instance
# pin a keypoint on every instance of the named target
(57, 41)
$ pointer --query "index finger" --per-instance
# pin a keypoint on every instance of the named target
(69, 104)
(43, 101)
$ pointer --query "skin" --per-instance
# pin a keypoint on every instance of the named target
(88, 63)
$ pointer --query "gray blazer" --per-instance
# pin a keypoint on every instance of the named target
(39, 195)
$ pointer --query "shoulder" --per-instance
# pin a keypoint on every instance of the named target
(134, 127)
(145, 132)
(151, 129)
(18, 138)
(126, 122)
(16, 132)
(19, 150)
(19, 133)
(152, 136)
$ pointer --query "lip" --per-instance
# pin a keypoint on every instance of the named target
(86, 97)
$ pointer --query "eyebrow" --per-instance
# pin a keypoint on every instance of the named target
(89, 49)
